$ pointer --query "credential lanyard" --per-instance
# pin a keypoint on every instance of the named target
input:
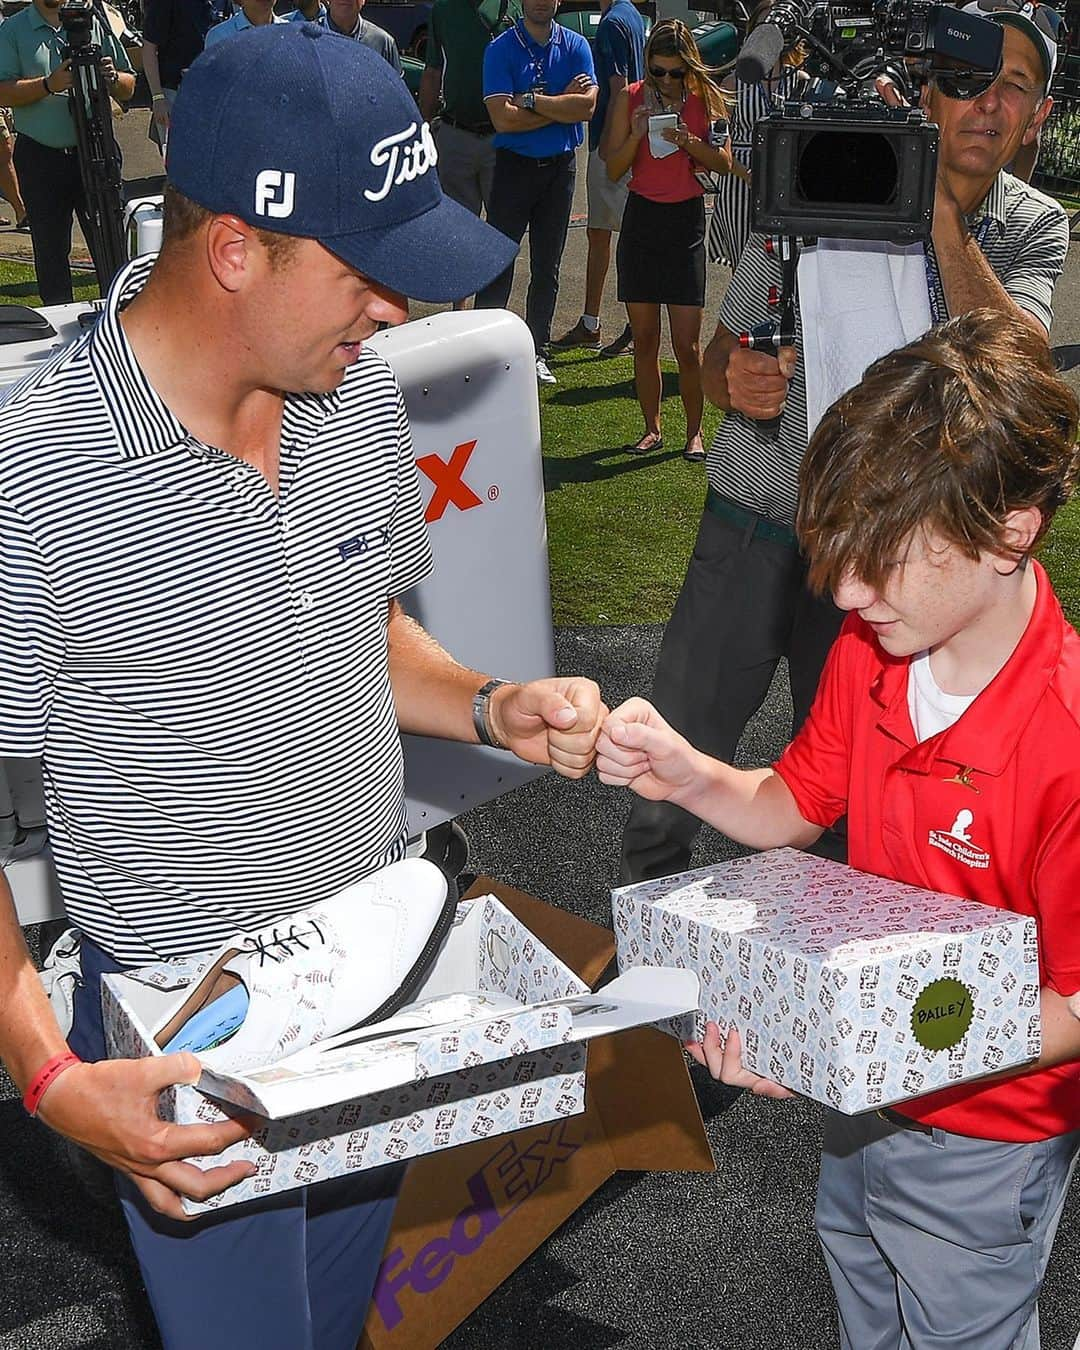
(539, 59)
(939, 309)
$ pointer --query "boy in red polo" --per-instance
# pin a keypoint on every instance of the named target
(947, 726)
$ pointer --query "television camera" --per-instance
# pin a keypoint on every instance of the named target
(850, 166)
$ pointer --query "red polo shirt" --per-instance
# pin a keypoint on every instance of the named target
(1011, 762)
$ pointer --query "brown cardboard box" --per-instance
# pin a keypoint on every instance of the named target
(641, 1114)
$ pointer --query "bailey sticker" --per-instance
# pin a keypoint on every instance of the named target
(942, 1014)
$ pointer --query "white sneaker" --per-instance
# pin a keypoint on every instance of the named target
(543, 372)
(339, 964)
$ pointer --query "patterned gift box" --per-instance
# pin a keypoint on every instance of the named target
(846, 987)
(500, 1082)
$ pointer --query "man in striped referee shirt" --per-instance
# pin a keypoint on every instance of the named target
(997, 244)
(207, 507)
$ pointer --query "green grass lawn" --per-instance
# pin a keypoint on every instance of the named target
(620, 526)
(18, 285)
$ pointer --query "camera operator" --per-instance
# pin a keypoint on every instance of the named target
(998, 244)
(35, 76)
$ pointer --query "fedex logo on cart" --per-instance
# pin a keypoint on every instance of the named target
(495, 1191)
(447, 478)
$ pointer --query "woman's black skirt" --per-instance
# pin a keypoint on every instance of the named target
(661, 253)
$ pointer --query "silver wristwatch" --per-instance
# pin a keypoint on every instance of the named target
(528, 102)
(481, 714)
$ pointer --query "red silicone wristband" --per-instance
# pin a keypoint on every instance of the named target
(49, 1072)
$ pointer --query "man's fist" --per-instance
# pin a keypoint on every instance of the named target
(758, 383)
(552, 722)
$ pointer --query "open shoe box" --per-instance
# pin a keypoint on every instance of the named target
(342, 1108)
(468, 1217)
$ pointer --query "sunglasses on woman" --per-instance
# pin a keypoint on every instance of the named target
(659, 73)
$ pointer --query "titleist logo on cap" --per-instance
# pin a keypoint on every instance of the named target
(403, 162)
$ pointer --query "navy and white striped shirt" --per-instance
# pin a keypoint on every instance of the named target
(1024, 236)
(202, 665)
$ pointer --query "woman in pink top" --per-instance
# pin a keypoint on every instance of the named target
(661, 253)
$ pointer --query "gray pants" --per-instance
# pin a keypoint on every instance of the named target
(936, 1241)
(466, 166)
(743, 605)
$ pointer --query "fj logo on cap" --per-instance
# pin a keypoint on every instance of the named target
(403, 162)
(275, 192)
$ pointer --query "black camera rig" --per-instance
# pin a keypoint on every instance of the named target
(849, 166)
(98, 152)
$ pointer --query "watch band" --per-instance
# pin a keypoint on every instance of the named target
(481, 714)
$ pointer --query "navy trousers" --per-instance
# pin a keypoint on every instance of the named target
(534, 195)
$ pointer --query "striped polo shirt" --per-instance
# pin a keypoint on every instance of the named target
(1024, 235)
(202, 665)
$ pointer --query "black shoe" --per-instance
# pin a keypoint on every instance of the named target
(639, 449)
(622, 346)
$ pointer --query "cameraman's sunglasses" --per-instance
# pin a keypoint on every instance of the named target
(659, 73)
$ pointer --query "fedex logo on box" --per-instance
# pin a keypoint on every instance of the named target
(513, 1173)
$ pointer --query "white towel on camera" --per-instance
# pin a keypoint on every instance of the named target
(858, 299)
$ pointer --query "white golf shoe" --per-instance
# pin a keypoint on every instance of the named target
(338, 964)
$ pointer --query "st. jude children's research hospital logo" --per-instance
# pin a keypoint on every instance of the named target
(958, 843)
(403, 156)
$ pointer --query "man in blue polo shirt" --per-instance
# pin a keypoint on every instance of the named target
(539, 88)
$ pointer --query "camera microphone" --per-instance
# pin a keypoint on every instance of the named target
(760, 52)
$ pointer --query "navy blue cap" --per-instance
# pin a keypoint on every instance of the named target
(303, 132)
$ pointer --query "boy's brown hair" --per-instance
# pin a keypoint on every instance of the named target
(953, 431)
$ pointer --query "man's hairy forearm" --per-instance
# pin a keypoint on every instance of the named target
(432, 692)
(21, 93)
(29, 1034)
(566, 108)
(968, 279)
(430, 90)
(506, 116)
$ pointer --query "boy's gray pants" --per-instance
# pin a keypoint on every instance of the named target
(937, 1240)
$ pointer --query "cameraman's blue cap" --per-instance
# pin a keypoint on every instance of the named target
(306, 133)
